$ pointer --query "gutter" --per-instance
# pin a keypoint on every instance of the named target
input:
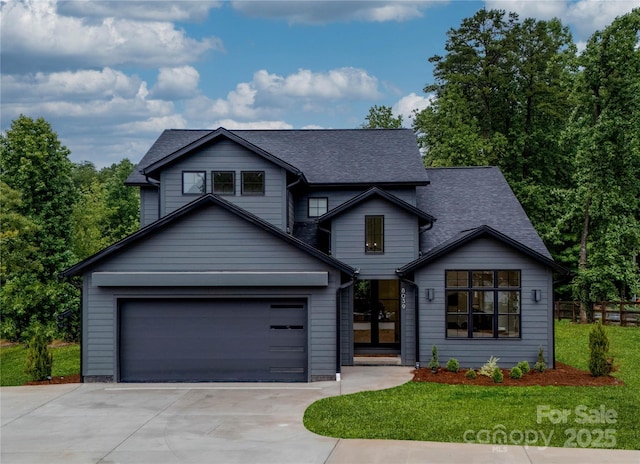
(417, 313)
(339, 321)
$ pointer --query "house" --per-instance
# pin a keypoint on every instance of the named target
(280, 255)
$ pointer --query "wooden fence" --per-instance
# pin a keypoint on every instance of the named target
(623, 312)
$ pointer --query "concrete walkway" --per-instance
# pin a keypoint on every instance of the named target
(223, 423)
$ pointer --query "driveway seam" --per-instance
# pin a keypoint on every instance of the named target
(332, 450)
(41, 406)
(184, 392)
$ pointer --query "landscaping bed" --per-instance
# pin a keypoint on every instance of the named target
(562, 376)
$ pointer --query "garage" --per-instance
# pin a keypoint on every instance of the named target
(202, 340)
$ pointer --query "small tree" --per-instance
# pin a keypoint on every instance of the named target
(39, 359)
(433, 364)
(598, 348)
(541, 364)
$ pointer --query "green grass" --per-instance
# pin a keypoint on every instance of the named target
(66, 361)
(459, 413)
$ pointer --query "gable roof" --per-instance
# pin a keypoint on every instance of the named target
(375, 192)
(210, 137)
(469, 235)
(327, 157)
(465, 199)
(201, 202)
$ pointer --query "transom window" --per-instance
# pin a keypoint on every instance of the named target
(374, 234)
(194, 182)
(483, 304)
(223, 182)
(317, 206)
(253, 182)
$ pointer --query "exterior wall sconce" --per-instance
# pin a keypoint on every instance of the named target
(537, 295)
(430, 294)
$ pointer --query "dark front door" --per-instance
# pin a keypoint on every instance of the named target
(376, 317)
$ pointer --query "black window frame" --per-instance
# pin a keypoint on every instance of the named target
(377, 237)
(326, 206)
(233, 182)
(476, 286)
(204, 183)
(243, 189)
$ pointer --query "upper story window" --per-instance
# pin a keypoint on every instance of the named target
(224, 182)
(194, 182)
(317, 206)
(374, 234)
(253, 182)
(483, 304)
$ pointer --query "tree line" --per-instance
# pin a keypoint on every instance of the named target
(562, 125)
(53, 213)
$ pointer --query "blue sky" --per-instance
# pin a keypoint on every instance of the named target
(111, 75)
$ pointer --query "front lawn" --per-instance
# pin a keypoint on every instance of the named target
(66, 361)
(606, 417)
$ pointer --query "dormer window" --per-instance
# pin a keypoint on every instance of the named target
(194, 182)
(224, 182)
(253, 182)
(374, 234)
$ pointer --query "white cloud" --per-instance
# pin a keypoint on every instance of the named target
(322, 12)
(157, 10)
(176, 83)
(233, 124)
(68, 85)
(152, 125)
(586, 16)
(267, 95)
(408, 104)
(36, 37)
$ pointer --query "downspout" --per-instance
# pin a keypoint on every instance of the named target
(289, 187)
(339, 322)
(417, 313)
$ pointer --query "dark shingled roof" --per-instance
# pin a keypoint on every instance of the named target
(468, 198)
(325, 156)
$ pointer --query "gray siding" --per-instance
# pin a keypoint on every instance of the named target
(338, 197)
(537, 318)
(229, 156)
(400, 239)
(211, 239)
(149, 206)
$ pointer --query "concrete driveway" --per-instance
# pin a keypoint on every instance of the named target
(220, 423)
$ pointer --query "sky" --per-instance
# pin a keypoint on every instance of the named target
(110, 76)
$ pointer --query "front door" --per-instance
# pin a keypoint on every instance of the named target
(376, 316)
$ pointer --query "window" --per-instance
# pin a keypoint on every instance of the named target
(253, 183)
(317, 206)
(483, 304)
(223, 182)
(194, 182)
(374, 234)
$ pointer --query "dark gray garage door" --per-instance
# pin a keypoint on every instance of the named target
(213, 340)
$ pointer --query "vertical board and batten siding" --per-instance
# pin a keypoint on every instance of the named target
(149, 206)
(407, 324)
(338, 197)
(226, 155)
(211, 239)
(536, 318)
(400, 239)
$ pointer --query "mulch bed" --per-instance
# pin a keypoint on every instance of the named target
(73, 378)
(563, 375)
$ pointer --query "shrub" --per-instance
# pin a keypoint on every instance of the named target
(453, 365)
(489, 367)
(524, 367)
(515, 373)
(433, 364)
(497, 375)
(470, 374)
(598, 347)
(39, 359)
(541, 364)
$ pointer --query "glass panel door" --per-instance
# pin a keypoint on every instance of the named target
(376, 317)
